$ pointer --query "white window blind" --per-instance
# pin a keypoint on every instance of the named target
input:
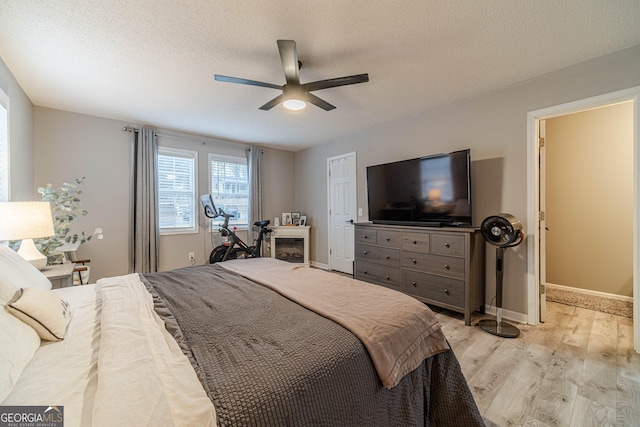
(230, 187)
(176, 190)
(4, 147)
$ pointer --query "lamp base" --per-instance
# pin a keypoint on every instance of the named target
(501, 329)
(29, 252)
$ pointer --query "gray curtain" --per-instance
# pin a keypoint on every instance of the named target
(144, 234)
(254, 163)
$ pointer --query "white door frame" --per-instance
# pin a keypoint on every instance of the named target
(533, 208)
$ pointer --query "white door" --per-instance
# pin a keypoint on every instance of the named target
(542, 223)
(341, 172)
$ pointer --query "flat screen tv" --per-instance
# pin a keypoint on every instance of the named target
(428, 191)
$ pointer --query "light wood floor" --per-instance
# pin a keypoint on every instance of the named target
(577, 369)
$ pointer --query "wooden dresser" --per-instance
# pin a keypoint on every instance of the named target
(439, 266)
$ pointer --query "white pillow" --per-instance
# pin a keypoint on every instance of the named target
(16, 273)
(18, 344)
(43, 310)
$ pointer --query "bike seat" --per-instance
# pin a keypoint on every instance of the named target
(262, 223)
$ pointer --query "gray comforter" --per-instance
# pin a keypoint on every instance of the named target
(266, 361)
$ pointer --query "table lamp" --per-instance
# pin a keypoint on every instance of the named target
(26, 221)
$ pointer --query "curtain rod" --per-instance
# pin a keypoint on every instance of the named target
(132, 129)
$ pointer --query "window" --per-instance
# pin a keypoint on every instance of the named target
(177, 190)
(4, 147)
(230, 187)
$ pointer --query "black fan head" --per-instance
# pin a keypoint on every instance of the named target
(503, 230)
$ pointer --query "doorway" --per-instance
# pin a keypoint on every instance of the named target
(536, 217)
(588, 181)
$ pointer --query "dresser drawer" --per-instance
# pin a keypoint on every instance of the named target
(434, 288)
(446, 266)
(415, 242)
(387, 256)
(384, 275)
(447, 244)
(365, 236)
(391, 239)
(415, 260)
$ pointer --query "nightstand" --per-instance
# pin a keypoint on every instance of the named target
(60, 275)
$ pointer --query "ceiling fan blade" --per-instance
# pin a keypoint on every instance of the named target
(289, 58)
(338, 81)
(237, 80)
(269, 105)
(311, 98)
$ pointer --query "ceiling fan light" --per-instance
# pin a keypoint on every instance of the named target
(294, 104)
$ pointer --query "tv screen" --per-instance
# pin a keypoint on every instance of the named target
(429, 191)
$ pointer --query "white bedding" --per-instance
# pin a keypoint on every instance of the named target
(116, 366)
(64, 372)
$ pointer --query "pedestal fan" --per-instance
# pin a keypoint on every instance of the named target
(504, 231)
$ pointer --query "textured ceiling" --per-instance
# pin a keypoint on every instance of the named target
(153, 61)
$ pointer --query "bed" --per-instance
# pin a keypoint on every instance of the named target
(240, 343)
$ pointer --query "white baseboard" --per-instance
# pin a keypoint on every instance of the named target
(589, 292)
(319, 265)
(514, 316)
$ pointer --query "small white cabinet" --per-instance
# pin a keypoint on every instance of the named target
(290, 243)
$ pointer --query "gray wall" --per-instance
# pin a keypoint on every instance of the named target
(70, 145)
(20, 137)
(494, 126)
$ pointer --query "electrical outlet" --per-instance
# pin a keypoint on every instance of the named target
(359, 211)
(192, 256)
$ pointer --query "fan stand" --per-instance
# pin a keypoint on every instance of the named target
(498, 327)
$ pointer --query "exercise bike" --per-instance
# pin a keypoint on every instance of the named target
(234, 247)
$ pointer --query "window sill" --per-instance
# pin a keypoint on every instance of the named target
(175, 232)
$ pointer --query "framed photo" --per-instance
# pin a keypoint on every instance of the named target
(286, 218)
(303, 220)
(295, 218)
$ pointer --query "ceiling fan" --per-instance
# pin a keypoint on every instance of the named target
(294, 94)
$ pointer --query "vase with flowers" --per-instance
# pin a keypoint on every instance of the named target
(66, 206)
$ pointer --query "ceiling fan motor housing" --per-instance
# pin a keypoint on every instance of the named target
(503, 230)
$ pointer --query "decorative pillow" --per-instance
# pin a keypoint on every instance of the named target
(18, 344)
(43, 310)
(16, 273)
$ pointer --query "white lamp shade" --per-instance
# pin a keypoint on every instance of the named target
(25, 220)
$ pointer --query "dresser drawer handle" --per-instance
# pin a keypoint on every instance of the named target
(386, 256)
(446, 245)
(414, 261)
(365, 237)
(387, 239)
(364, 253)
(446, 267)
(414, 284)
(415, 242)
(446, 291)
(366, 272)
(388, 277)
